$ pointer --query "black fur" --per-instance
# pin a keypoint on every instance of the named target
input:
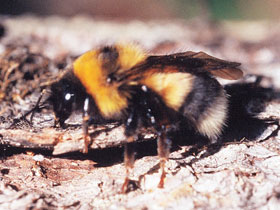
(146, 106)
(204, 92)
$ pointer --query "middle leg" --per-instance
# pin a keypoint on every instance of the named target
(129, 159)
(163, 148)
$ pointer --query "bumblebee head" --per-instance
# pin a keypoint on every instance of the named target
(67, 95)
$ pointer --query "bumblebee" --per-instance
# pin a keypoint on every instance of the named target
(123, 84)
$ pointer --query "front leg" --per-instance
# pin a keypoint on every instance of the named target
(87, 139)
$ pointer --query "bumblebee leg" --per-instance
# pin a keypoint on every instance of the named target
(129, 159)
(85, 126)
(163, 153)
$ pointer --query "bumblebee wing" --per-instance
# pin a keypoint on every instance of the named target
(217, 67)
(186, 62)
(197, 62)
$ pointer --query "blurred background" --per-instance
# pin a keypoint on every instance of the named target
(147, 9)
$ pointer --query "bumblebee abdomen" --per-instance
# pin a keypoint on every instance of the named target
(206, 106)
